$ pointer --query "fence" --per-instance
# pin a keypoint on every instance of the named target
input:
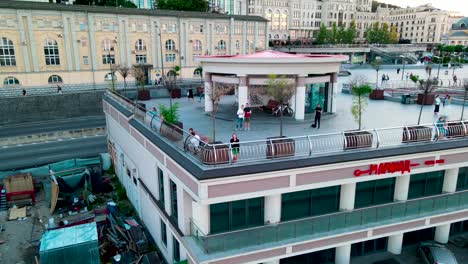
(204, 152)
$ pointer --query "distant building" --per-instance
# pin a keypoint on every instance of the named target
(232, 7)
(458, 34)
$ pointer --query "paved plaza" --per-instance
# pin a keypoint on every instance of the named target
(379, 114)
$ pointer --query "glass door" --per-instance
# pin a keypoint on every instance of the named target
(316, 93)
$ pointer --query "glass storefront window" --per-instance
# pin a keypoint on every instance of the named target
(425, 184)
(374, 192)
(462, 182)
(309, 203)
(236, 215)
(318, 257)
(316, 93)
(368, 247)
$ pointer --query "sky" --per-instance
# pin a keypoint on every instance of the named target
(449, 5)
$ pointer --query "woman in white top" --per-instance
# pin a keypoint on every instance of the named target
(240, 118)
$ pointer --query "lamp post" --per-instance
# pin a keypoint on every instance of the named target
(438, 68)
(109, 60)
(403, 61)
(163, 77)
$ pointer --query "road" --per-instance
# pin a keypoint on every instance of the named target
(17, 157)
(52, 125)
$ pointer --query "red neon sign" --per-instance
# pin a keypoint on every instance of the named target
(394, 166)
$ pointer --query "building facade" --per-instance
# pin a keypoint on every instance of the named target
(458, 34)
(233, 7)
(45, 43)
(323, 203)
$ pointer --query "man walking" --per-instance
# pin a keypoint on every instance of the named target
(318, 116)
(437, 104)
(247, 115)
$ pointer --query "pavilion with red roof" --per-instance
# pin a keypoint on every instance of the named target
(315, 77)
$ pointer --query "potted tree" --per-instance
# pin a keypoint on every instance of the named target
(200, 89)
(377, 94)
(215, 152)
(281, 90)
(421, 133)
(171, 127)
(140, 77)
(356, 138)
(125, 72)
(173, 89)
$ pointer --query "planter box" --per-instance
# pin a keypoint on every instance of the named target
(172, 131)
(215, 154)
(358, 139)
(455, 129)
(429, 99)
(417, 134)
(176, 93)
(279, 147)
(377, 95)
(144, 95)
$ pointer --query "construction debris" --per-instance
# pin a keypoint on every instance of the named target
(16, 213)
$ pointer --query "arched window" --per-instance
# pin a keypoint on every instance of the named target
(269, 15)
(171, 75)
(276, 20)
(140, 45)
(10, 80)
(284, 20)
(7, 53)
(197, 45)
(247, 46)
(222, 45)
(170, 44)
(285, 36)
(55, 79)
(269, 36)
(237, 44)
(276, 36)
(463, 25)
(110, 76)
(107, 45)
(51, 52)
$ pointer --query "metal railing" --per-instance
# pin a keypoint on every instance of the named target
(329, 224)
(220, 154)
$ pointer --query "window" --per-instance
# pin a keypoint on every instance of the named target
(55, 79)
(170, 44)
(173, 188)
(197, 45)
(140, 59)
(425, 184)
(462, 182)
(238, 44)
(51, 52)
(236, 215)
(7, 53)
(374, 192)
(161, 186)
(175, 250)
(170, 57)
(82, 27)
(10, 80)
(108, 59)
(310, 202)
(163, 233)
(222, 45)
(369, 246)
(84, 42)
(107, 45)
(140, 45)
(85, 60)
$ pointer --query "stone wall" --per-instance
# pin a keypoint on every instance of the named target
(24, 109)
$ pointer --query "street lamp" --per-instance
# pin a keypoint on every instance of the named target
(109, 60)
(163, 77)
(403, 61)
(438, 68)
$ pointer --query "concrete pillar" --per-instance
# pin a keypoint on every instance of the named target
(442, 233)
(184, 209)
(92, 43)
(300, 98)
(231, 36)
(395, 244)
(343, 254)
(401, 188)
(243, 94)
(24, 42)
(121, 23)
(32, 43)
(208, 87)
(273, 208)
(333, 91)
(201, 217)
(158, 44)
(450, 180)
(167, 194)
(127, 45)
(76, 54)
(347, 197)
(66, 41)
(244, 38)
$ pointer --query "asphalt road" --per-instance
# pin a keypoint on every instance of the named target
(52, 126)
(26, 156)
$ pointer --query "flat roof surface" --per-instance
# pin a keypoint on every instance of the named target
(273, 54)
(68, 236)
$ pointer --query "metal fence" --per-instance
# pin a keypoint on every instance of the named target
(203, 151)
(326, 225)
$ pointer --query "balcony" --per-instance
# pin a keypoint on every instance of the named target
(331, 224)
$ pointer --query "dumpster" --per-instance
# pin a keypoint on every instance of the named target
(405, 98)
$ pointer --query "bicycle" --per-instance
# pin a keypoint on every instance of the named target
(285, 108)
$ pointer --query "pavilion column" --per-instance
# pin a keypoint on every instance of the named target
(208, 87)
(332, 92)
(243, 91)
(300, 98)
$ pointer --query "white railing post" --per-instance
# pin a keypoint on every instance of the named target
(378, 138)
(310, 145)
(272, 149)
(464, 128)
(436, 133)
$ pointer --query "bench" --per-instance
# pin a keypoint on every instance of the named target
(271, 105)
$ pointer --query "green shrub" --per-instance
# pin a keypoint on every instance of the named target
(171, 113)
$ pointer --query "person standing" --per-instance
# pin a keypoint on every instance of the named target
(437, 104)
(318, 116)
(398, 70)
(190, 95)
(407, 76)
(235, 147)
(454, 80)
(24, 92)
(240, 118)
(247, 115)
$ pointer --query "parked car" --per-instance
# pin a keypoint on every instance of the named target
(435, 253)
(344, 73)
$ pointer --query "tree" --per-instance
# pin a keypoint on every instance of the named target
(140, 76)
(171, 85)
(377, 65)
(341, 36)
(184, 5)
(394, 35)
(465, 85)
(125, 72)
(323, 34)
(281, 90)
(333, 36)
(427, 87)
(360, 91)
(116, 3)
(350, 34)
(215, 95)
